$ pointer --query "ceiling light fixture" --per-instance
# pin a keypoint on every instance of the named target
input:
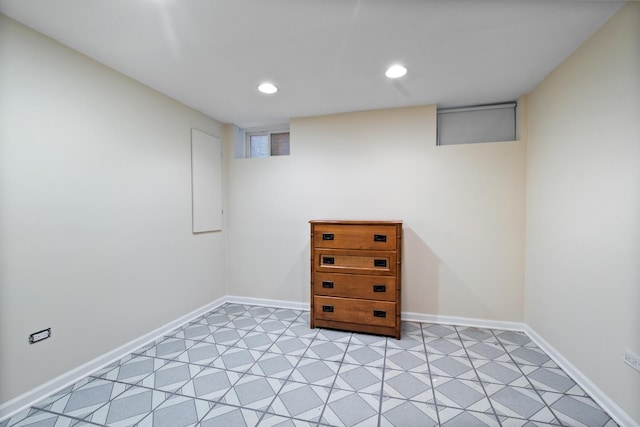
(268, 88)
(396, 71)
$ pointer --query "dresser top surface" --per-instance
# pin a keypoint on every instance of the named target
(355, 221)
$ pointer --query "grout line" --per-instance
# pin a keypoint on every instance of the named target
(484, 390)
(433, 388)
(527, 378)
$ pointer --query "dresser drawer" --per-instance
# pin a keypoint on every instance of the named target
(356, 262)
(357, 311)
(381, 288)
(355, 236)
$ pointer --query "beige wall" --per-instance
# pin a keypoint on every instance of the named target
(583, 208)
(95, 210)
(462, 206)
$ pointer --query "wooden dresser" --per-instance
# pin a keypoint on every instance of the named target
(355, 275)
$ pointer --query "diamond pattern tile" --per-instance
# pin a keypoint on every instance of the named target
(454, 417)
(275, 365)
(530, 356)
(551, 379)
(461, 394)
(171, 376)
(254, 392)
(250, 365)
(237, 359)
(202, 353)
(210, 384)
(226, 336)
(225, 415)
(327, 350)
(514, 338)
(448, 346)
(346, 408)
(316, 372)
(365, 355)
(134, 369)
(439, 331)
(129, 407)
(398, 412)
(451, 366)
(87, 399)
(407, 360)
(257, 340)
(506, 373)
(273, 326)
(408, 385)
(486, 350)
(363, 379)
(407, 342)
(294, 346)
(370, 340)
(41, 418)
(303, 401)
(333, 336)
(477, 334)
(177, 411)
(519, 402)
(244, 322)
(301, 330)
(577, 410)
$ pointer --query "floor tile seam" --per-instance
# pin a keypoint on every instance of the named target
(484, 390)
(433, 388)
(534, 388)
(111, 399)
(544, 402)
(61, 415)
(326, 403)
(384, 364)
(284, 382)
(558, 424)
(170, 395)
(131, 384)
(218, 403)
(280, 335)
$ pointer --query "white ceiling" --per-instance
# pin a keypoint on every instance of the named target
(326, 56)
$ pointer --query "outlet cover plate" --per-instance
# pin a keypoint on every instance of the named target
(39, 336)
(631, 359)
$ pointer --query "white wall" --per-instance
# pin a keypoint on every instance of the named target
(95, 210)
(462, 206)
(583, 208)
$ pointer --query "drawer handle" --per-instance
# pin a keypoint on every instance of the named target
(327, 236)
(379, 313)
(327, 285)
(379, 237)
(379, 262)
(379, 288)
(329, 260)
(327, 308)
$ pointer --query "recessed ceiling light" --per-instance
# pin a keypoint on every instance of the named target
(396, 71)
(268, 88)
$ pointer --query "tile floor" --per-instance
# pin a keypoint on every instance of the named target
(250, 365)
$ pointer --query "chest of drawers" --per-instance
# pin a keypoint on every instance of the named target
(355, 275)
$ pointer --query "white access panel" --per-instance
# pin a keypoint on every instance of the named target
(206, 181)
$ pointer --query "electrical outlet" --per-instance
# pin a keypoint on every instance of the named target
(631, 359)
(39, 336)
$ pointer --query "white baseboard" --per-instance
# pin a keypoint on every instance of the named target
(31, 397)
(614, 411)
(303, 306)
(463, 321)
